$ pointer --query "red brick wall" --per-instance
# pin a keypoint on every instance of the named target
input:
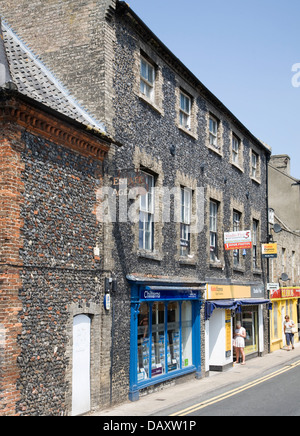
(11, 188)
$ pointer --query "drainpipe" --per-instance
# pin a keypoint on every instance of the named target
(268, 240)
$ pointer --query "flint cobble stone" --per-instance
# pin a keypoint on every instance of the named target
(60, 232)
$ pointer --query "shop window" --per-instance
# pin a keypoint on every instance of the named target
(158, 340)
(143, 342)
(173, 337)
(186, 314)
(164, 338)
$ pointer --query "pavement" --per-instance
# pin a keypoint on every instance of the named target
(176, 395)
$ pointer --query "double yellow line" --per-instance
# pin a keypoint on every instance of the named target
(233, 392)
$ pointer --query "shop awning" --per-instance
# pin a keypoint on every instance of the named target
(210, 306)
(253, 302)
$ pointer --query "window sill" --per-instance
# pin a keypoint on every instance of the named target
(238, 167)
(240, 269)
(152, 255)
(254, 179)
(215, 150)
(187, 131)
(219, 265)
(151, 103)
(187, 260)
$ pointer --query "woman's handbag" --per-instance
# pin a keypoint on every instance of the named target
(294, 330)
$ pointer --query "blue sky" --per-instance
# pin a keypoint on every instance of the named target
(243, 51)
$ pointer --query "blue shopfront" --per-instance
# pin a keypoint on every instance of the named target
(165, 339)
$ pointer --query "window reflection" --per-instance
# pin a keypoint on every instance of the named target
(173, 344)
(158, 339)
(143, 342)
(164, 338)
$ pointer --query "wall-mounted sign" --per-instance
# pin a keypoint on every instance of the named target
(224, 292)
(258, 291)
(237, 240)
(106, 302)
(269, 251)
(291, 292)
(168, 294)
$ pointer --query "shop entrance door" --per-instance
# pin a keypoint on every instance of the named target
(81, 365)
(298, 317)
(282, 325)
(249, 322)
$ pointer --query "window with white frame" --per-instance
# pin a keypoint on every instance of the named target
(293, 266)
(254, 165)
(283, 260)
(236, 143)
(147, 79)
(213, 230)
(185, 224)
(185, 111)
(213, 132)
(146, 218)
(236, 227)
(254, 243)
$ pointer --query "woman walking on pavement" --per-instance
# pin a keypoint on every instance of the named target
(288, 330)
(239, 337)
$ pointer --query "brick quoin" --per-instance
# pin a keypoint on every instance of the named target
(11, 199)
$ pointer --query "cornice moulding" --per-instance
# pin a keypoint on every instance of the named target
(55, 130)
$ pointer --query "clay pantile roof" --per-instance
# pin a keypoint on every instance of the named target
(20, 69)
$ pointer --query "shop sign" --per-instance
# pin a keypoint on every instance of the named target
(291, 292)
(237, 240)
(274, 290)
(169, 295)
(223, 292)
(228, 333)
(257, 291)
(269, 251)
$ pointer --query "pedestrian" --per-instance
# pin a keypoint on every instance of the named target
(288, 330)
(239, 341)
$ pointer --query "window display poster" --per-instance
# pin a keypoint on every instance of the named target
(228, 332)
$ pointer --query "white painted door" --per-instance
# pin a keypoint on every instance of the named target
(81, 365)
